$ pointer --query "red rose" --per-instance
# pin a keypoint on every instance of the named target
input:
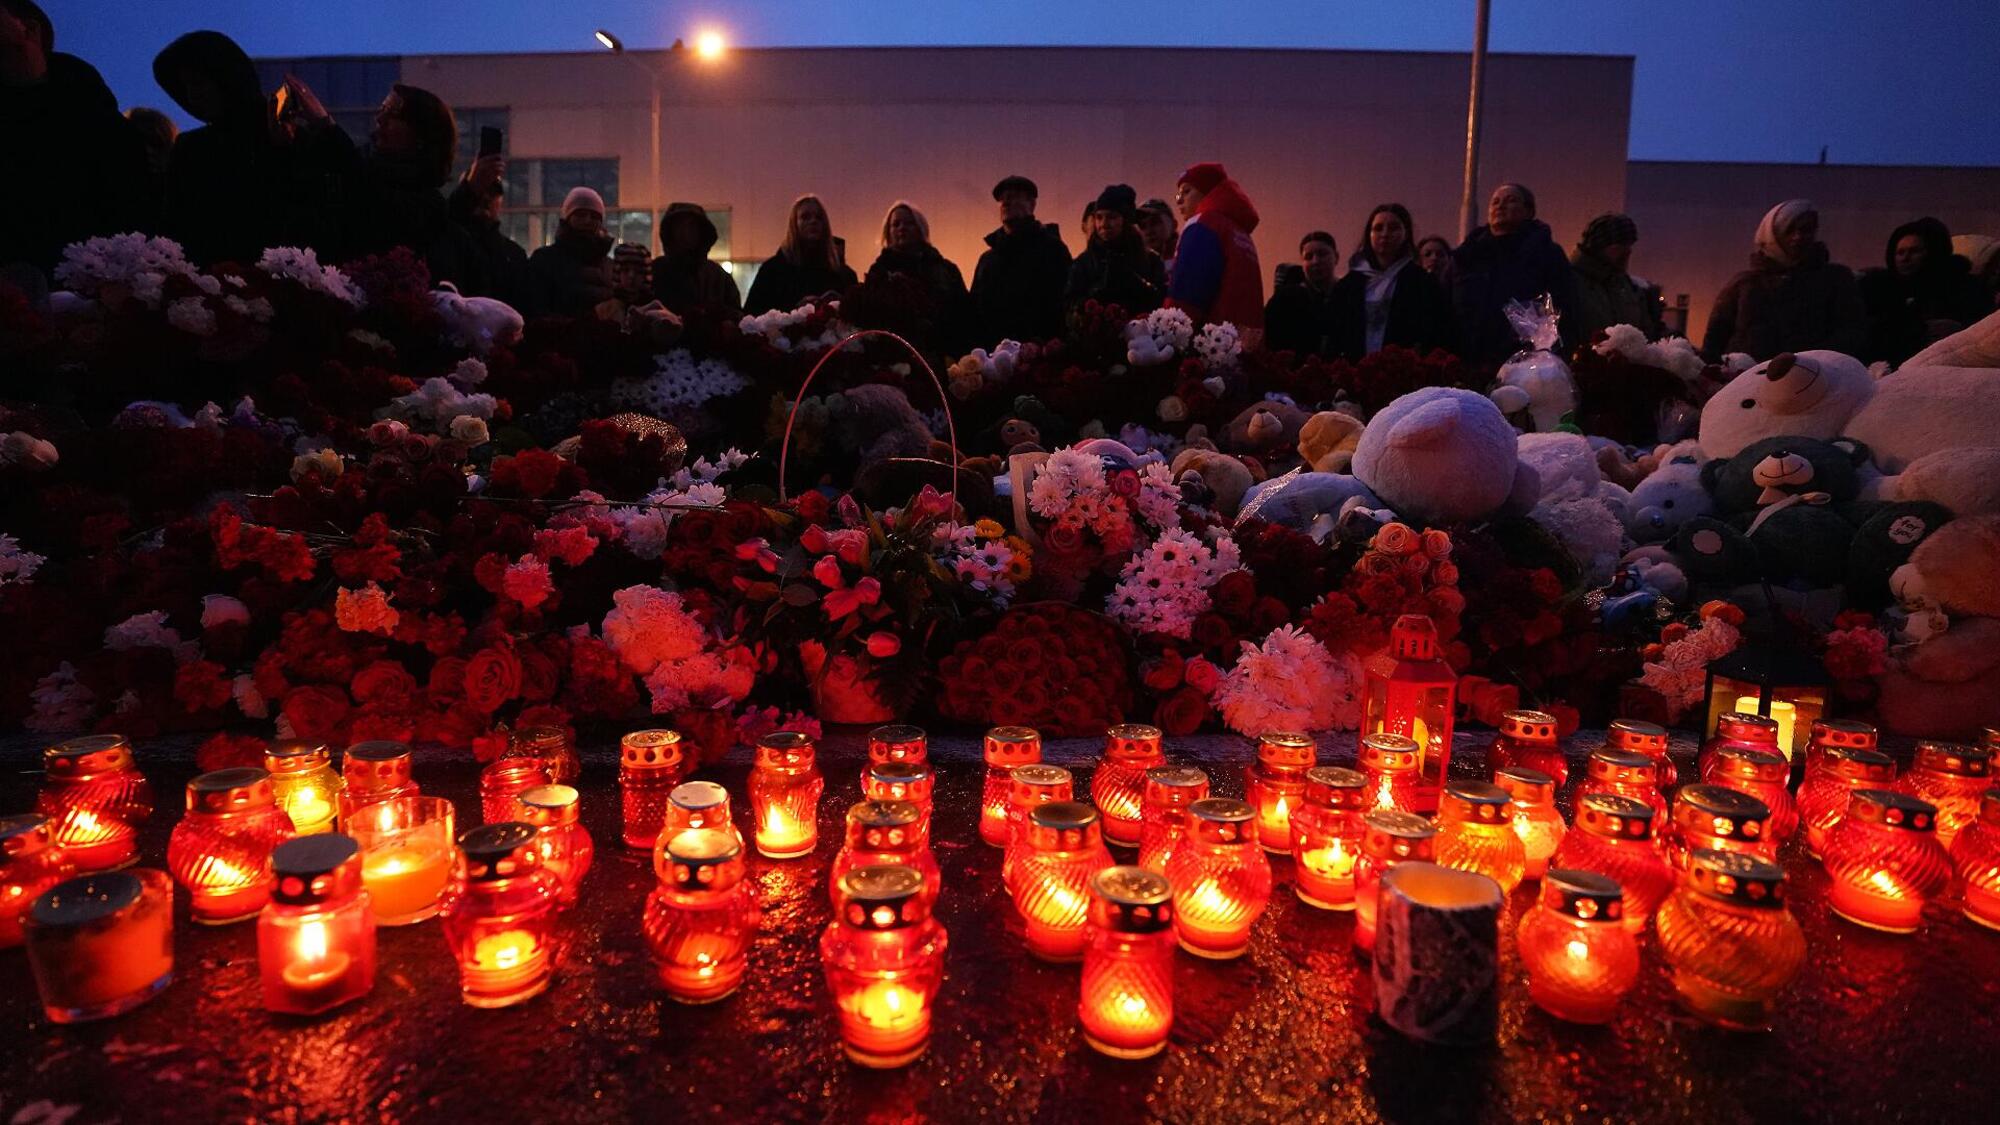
(385, 685)
(316, 711)
(1203, 676)
(1164, 672)
(1064, 539)
(538, 676)
(1181, 713)
(1211, 632)
(492, 677)
(226, 751)
(1268, 614)
(1234, 593)
(448, 678)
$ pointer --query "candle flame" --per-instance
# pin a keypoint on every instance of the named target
(1209, 899)
(1885, 883)
(1132, 1005)
(312, 941)
(507, 956)
(1578, 951)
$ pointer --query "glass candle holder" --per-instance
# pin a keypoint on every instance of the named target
(1476, 833)
(1624, 773)
(1883, 861)
(888, 833)
(1639, 737)
(701, 919)
(316, 937)
(554, 811)
(407, 852)
(553, 747)
(1613, 837)
(1729, 940)
(101, 945)
(1126, 1002)
(30, 862)
(1528, 738)
(1275, 783)
(1976, 856)
(499, 915)
(503, 781)
(1951, 776)
(1118, 784)
(1714, 817)
(650, 764)
(221, 850)
(1832, 773)
(1763, 774)
(95, 799)
(1827, 734)
(1032, 785)
(1580, 957)
(1531, 805)
(1004, 749)
(785, 787)
(1065, 850)
(1749, 731)
(901, 781)
(1389, 761)
(372, 772)
(1388, 837)
(1326, 837)
(1163, 812)
(1221, 879)
(884, 960)
(898, 742)
(305, 784)
(692, 805)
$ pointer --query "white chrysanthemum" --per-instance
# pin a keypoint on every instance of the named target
(1067, 475)
(678, 383)
(16, 565)
(192, 316)
(138, 263)
(1290, 682)
(291, 263)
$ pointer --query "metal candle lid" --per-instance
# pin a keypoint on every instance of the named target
(1221, 820)
(538, 741)
(1528, 726)
(1745, 727)
(1954, 758)
(1174, 786)
(698, 796)
(1478, 801)
(1039, 782)
(297, 755)
(1614, 766)
(1336, 787)
(547, 806)
(234, 790)
(703, 859)
(1717, 810)
(25, 834)
(1747, 763)
(1891, 809)
(1638, 736)
(1829, 733)
(1063, 826)
(1007, 747)
(1738, 877)
(1386, 752)
(1394, 834)
(884, 826)
(88, 756)
(898, 742)
(1285, 750)
(1526, 786)
(1857, 763)
(316, 869)
(87, 899)
(1131, 900)
(899, 781)
(883, 897)
(1583, 895)
(785, 750)
(650, 750)
(1616, 817)
(376, 764)
(1132, 742)
(500, 851)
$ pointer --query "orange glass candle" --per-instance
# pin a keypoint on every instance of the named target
(1407, 689)
(1118, 784)
(886, 833)
(1326, 837)
(1065, 850)
(316, 937)
(499, 915)
(1126, 1003)
(221, 850)
(1163, 812)
(1624, 773)
(305, 784)
(1004, 749)
(692, 805)
(1952, 777)
(553, 747)
(101, 945)
(1746, 730)
(407, 852)
(702, 917)
(1528, 738)
(503, 781)
(1976, 856)
(1580, 957)
(1031, 785)
(1714, 817)
(785, 787)
(1531, 804)
(1832, 774)
(1389, 761)
(30, 862)
(884, 960)
(1613, 837)
(1729, 940)
(1275, 783)
(1221, 879)
(1762, 774)
(95, 799)
(1476, 833)
(1884, 862)
(1829, 733)
(1650, 739)
(567, 849)
(650, 764)
(373, 772)
(1388, 837)
(900, 781)
(898, 742)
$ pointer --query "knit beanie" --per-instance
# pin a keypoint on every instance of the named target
(582, 199)
(1608, 230)
(1204, 178)
(632, 253)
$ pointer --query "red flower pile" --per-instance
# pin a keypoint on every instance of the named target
(1050, 666)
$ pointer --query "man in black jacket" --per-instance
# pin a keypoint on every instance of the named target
(1115, 267)
(1018, 284)
(497, 266)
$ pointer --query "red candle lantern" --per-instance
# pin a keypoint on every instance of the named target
(305, 784)
(1052, 888)
(1730, 941)
(1326, 837)
(373, 772)
(1829, 733)
(1163, 812)
(1951, 776)
(1118, 784)
(553, 747)
(1126, 1003)
(1624, 773)
(1884, 861)
(499, 915)
(1407, 690)
(503, 781)
(1389, 762)
(95, 799)
(101, 945)
(30, 862)
(898, 742)
(567, 849)
(886, 833)
(1976, 855)
(785, 787)
(1649, 739)
(1275, 784)
(1581, 959)
(1762, 774)
(702, 917)
(692, 805)
(1528, 738)
(650, 764)
(1834, 773)
(1030, 785)
(1781, 682)
(1004, 749)
(1531, 803)
(1476, 833)
(1614, 838)
(900, 781)
(1221, 879)
(1388, 837)
(1745, 732)
(221, 850)
(1714, 817)
(316, 937)
(884, 961)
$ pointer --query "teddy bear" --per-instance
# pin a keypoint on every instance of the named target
(478, 323)
(1328, 439)
(1443, 455)
(1781, 513)
(1668, 497)
(877, 422)
(1947, 685)
(1213, 480)
(1585, 512)
(1812, 394)
(1266, 430)
(1967, 481)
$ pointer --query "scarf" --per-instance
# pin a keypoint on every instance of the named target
(1375, 298)
(1778, 222)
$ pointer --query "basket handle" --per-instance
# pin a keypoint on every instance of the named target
(944, 400)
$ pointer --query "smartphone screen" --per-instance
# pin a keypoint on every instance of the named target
(489, 141)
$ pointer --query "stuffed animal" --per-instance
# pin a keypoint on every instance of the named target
(1582, 510)
(1213, 480)
(1265, 430)
(1668, 498)
(478, 323)
(1781, 513)
(1811, 394)
(1920, 410)
(1967, 481)
(1443, 455)
(877, 422)
(1308, 502)
(1948, 685)
(1328, 439)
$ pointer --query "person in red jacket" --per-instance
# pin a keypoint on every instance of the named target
(1216, 275)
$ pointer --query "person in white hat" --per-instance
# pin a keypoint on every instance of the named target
(572, 275)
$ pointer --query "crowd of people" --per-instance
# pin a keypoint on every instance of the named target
(269, 171)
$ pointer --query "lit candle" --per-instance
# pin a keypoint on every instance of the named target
(898, 742)
(884, 960)
(1581, 959)
(1730, 941)
(700, 920)
(1221, 879)
(1624, 773)
(95, 799)
(499, 915)
(304, 783)
(30, 862)
(900, 781)
(1614, 838)
(1833, 773)
(1829, 733)
(567, 848)
(1531, 803)
(1126, 1002)
(692, 805)
(650, 764)
(1275, 784)
(1388, 837)
(221, 850)
(1749, 731)
(1714, 817)
(1118, 784)
(1476, 833)
(1951, 776)
(1650, 739)
(1762, 774)
(1976, 855)
(1031, 785)
(1884, 861)
(1163, 812)
(1004, 748)
(101, 945)
(785, 787)
(1052, 888)
(373, 772)
(1389, 761)
(1783, 712)
(316, 937)
(886, 833)
(505, 779)
(1528, 738)
(406, 856)
(1326, 837)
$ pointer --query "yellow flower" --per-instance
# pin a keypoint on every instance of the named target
(988, 529)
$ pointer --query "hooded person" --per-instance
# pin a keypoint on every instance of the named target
(1387, 297)
(224, 196)
(1923, 293)
(1116, 267)
(810, 262)
(685, 279)
(1512, 258)
(1017, 287)
(1793, 298)
(928, 286)
(1606, 294)
(572, 275)
(1216, 273)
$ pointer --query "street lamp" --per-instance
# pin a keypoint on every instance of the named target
(708, 46)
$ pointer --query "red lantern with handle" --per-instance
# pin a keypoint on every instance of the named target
(1409, 691)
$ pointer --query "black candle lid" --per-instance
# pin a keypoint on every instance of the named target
(87, 899)
(313, 869)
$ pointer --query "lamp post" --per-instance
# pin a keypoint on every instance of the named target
(709, 46)
(1475, 104)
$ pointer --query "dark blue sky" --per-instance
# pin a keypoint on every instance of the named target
(1877, 81)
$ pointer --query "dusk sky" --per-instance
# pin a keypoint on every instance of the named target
(1909, 82)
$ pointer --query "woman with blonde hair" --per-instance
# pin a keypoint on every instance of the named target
(921, 280)
(810, 262)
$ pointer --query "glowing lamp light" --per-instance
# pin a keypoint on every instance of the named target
(1275, 784)
(1762, 774)
(1976, 855)
(1650, 739)
(1221, 879)
(1581, 959)
(372, 772)
(553, 747)
(1389, 762)
(701, 919)
(1052, 887)
(1163, 812)
(709, 45)
(1884, 862)
(1783, 684)
(1126, 1003)
(785, 786)
(305, 784)
(95, 799)
(407, 852)
(609, 41)
(1531, 803)
(1624, 773)
(567, 849)
(499, 914)
(884, 960)
(1712, 817)
(503, 781)
(650, 764)
(1476, 833)
(1004, 748)
(221, 850)
(1326, 837)
(887, 833)
(101, 945)
(1118, 784)
(1407, 690)
(316, 937)
(1528, 738)
(1729, 940)
(30, 862)
(901, 781)
(1029, 786)
(1831, 776)
(898, 742)
(1613, 837)
(1953, 777)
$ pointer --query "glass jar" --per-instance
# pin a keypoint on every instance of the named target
(1580, 957)
(1976, 855)
(1832, 773)
(884, 960)
(1883, 861)
(1065, 850)
(898, 742)
(1624, 773)
(702, 917)
(221, 850)
(692, 805)
(316, 937)
(407, 852)
(886, 833)
(1829, 733)
(785, 787)
(1118, 784)
(372, 772)
(499, 915)
(1763, 774)
(1717, 818)
(1476, 833)
(1531, 805)
(553, 747)
(305, 784)
(1221, 879)
(101, 945)
(1388, 837)
(95, 799)
(1031, 785)
(1163, 812)
(1638, 737)
(503, 781)
(1747, 731)
(650, 764)
(1126, 1001)
(1729, 940)
(1613, 837)
(567, 849)
(1275, 784)
(1326, 837)
(901, 781)
(1528, 738)
(1951, 776)
(30, 862)
(1004, 749)
(1389, 761)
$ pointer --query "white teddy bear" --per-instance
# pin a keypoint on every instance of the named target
(1669, 497)
(478, 323)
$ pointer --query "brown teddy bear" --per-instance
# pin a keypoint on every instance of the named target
(1216, 479)
(1328, 440)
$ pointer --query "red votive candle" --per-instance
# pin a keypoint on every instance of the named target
(221, 850)
(1163, 812)
(1624, 773)
(1388, 837)
(1763, 774)
(373, 772)
(1275, 784)
(95, 799)
(1718, 818)
(702, 917)
(499, 915)
(1118, 784)
(1030, 785)
(316, 937)
(650, 764)
(1326, 837)
(898, 742)
(1581, 959)
(1745, 731)
(901, 781)
(1052, 888)
(785, 786)
(1730, 941)
(1531, 803)
(1389, 761)
(1126, 1003)
(1476, 833)
(1004, 749)
(1221, 879)
(1829, 733)
(1976, 855)
(30, 862)
(884, 960)
(886, 833)
(1832, 774)
(1951, 776)
(692, 805)
(567, 849)
(1528, 738)
(503, 781)
(1639, 737)
(101, 945)
(1613, 837)
(1884, 862)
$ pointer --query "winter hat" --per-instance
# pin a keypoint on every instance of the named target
(1777, 223)
(582, 199)
(1609, 229)
(690, 213)
(1016, 183)
(631, 253)
(1120, 198)
(1204, 178)
(1158, 207)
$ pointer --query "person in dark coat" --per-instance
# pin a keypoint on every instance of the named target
(1299, 316)
(224, 196)
(1115, 267)
(1792, 298)
(76, 167)
(811, 262)
(572, 275)
(1018, 284)
(157, 133)
(685, 279)
(498, 266)
(1387, 297)
(1606, 294)
(1923, 293)
(928, 284)
(1512, 258)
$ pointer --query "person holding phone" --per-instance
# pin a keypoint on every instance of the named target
(498, 266)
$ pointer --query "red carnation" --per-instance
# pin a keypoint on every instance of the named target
(492, 677)
(1181, 713)
(316, 711)
(385, 685)
(202, 685)
(227, 751)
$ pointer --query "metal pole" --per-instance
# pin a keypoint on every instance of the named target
(1475, 103)
(658, 204)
